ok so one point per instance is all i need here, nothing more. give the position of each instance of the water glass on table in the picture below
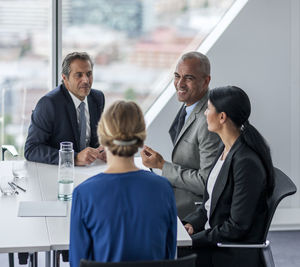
(5, 188)
(66, 171)
(18, 167)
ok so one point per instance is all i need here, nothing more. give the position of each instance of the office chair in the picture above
(283, 187)
(11, 149)
(188, 261)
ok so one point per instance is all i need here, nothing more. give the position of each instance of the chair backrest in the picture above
(11, 149)
(188, 261)
(284, 187)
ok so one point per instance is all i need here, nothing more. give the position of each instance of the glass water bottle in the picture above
(66, 171)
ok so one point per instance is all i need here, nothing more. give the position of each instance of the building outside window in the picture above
(24, 64)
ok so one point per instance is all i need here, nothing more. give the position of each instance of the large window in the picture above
(24, 64)
(134, 44)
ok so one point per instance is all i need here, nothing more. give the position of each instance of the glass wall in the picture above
(134, 44)
(24, 64)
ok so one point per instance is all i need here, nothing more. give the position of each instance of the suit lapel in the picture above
(173, 128)
(223, 176)
(72, 116)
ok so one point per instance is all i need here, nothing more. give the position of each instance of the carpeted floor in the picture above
(285, 248)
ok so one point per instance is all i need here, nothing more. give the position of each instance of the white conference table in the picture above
(31, 234)
(20, 234)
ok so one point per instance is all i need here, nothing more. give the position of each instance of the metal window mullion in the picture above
(56, 42)
(2, 115)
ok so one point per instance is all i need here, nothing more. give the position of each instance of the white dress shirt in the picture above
(77, 102)
(210, 186)
(189, 110)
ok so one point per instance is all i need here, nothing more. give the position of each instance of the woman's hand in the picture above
(189, 228)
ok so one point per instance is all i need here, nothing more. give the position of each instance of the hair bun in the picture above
(122, 128)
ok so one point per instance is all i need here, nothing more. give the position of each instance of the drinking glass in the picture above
(66, 171)
(5, 188)
(19, 167)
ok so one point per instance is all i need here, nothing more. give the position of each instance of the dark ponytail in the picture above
(256, 141)
(236, 104)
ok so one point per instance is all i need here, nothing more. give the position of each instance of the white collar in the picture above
(77, 101)
(189, 110)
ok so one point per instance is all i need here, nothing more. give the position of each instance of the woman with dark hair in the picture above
(234, 207)
(124, 213)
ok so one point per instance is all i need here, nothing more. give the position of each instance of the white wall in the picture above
(258, 50)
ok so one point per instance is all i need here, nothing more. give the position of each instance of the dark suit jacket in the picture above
(54, 120)
(238, 209)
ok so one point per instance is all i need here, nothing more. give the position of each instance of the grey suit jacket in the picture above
(192, 157)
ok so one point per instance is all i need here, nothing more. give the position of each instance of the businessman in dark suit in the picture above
(70, 112)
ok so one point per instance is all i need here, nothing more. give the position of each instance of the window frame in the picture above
(56, 42)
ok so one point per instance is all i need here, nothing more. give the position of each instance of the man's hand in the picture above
(189, 228)
(101, 153)
(86, 156)
(151, 158)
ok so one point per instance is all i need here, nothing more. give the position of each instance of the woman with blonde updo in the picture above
(124, 213)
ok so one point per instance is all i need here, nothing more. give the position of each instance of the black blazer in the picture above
(54, 120)
(238, 209)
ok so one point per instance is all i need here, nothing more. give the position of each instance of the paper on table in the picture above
(42, 208)
(90, 170)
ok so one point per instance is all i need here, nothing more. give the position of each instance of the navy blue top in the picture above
(123, 217)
